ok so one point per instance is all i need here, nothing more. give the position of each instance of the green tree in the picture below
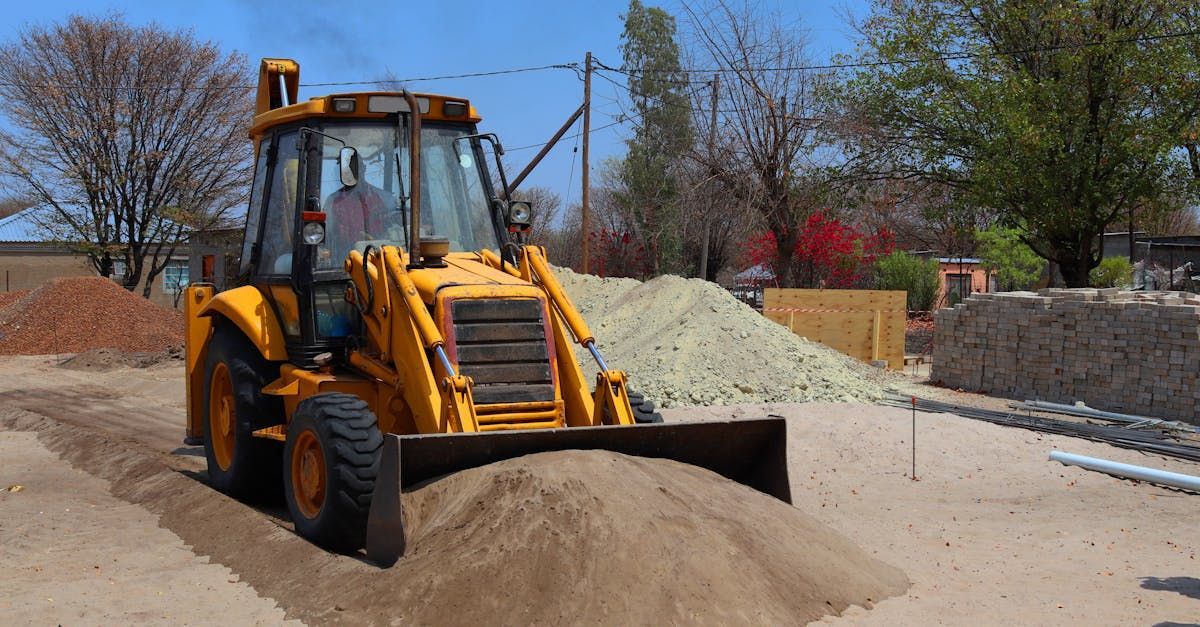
(1004, 253)
(1059, 116)
(918, 277)
(663, 135)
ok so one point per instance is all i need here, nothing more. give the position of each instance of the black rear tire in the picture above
(253, 470)
(347, 433)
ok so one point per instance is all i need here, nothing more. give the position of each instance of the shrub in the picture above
(918, 277)
(1112, 272)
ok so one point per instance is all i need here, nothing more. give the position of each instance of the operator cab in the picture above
(335, 174)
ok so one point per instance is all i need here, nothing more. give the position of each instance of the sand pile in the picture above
(630, 540)
(566, 537)
(690, 342)
(72, 315)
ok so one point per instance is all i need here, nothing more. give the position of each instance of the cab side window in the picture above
(276, 255)
(254, 212)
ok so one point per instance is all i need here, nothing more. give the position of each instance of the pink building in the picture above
(961, 277)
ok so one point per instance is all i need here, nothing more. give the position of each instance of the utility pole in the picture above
(587, 129)
(712, 142)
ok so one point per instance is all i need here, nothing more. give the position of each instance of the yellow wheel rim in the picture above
(308, 474)
(222, 416)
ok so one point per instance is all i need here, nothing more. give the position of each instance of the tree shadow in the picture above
(1187, 586)
(1175, 624)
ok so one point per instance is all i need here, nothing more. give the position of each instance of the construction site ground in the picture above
(991, 532)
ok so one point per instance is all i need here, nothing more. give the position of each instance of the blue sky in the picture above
(354, 40)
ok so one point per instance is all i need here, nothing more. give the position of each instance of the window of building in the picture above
(958, 287)
(175, 277)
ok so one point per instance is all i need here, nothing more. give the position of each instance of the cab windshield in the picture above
(455, 203)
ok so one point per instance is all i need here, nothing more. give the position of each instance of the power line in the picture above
(955, 56)
(622, 119)
(687, 97)
(554, 66)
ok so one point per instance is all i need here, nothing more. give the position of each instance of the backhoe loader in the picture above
(389, 326)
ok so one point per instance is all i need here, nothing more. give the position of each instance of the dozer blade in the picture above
(751, 452)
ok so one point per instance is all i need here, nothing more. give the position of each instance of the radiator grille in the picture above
(501, 345)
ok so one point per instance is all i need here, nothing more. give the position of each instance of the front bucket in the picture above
(750, 452)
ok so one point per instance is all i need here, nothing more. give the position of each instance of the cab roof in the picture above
(366, 105)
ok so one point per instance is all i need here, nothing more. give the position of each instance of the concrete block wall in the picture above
(1132, 352)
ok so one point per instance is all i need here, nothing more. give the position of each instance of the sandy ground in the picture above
(992, 533)
(73, 554)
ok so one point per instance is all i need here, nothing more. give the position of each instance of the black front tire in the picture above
(643, 410)
(253, 470)
(347, 432)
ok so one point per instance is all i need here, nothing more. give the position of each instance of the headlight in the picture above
(519, 213)
(313, 233)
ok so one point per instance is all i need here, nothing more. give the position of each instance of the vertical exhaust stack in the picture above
(414, 178)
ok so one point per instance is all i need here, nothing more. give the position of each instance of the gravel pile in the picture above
(690, 342)
(77, 314)
(8, 298)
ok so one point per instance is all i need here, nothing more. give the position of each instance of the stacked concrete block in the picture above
(1132, 352)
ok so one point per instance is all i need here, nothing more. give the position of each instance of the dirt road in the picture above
(73, 554)
(991, 533)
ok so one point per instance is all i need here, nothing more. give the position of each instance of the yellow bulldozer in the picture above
(388, 326)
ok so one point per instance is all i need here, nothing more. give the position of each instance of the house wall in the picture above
(978, 280)
(27, 267)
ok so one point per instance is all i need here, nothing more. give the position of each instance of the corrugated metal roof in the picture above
(21, 227)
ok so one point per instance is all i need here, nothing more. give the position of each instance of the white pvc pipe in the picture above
(1128, 471)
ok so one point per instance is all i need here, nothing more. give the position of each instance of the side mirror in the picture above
(348, 165)
(520, 215)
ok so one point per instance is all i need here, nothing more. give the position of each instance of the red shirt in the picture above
(355, 214)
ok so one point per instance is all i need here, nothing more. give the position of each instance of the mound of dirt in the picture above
(652, 540)
(690, 342)
(565, 537)
(73, 315)
(102, 359)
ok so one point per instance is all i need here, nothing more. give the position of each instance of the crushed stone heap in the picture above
(76, 314)
(690, 342)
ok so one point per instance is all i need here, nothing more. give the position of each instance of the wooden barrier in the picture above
(864, 324)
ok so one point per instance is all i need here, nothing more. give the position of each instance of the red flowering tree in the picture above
(617, 254)
(828, 253)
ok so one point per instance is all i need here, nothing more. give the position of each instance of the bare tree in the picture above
(564, 242)
(771, 116)
(13, 204)
(921, 215)
(546, 207)
(129, 137)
